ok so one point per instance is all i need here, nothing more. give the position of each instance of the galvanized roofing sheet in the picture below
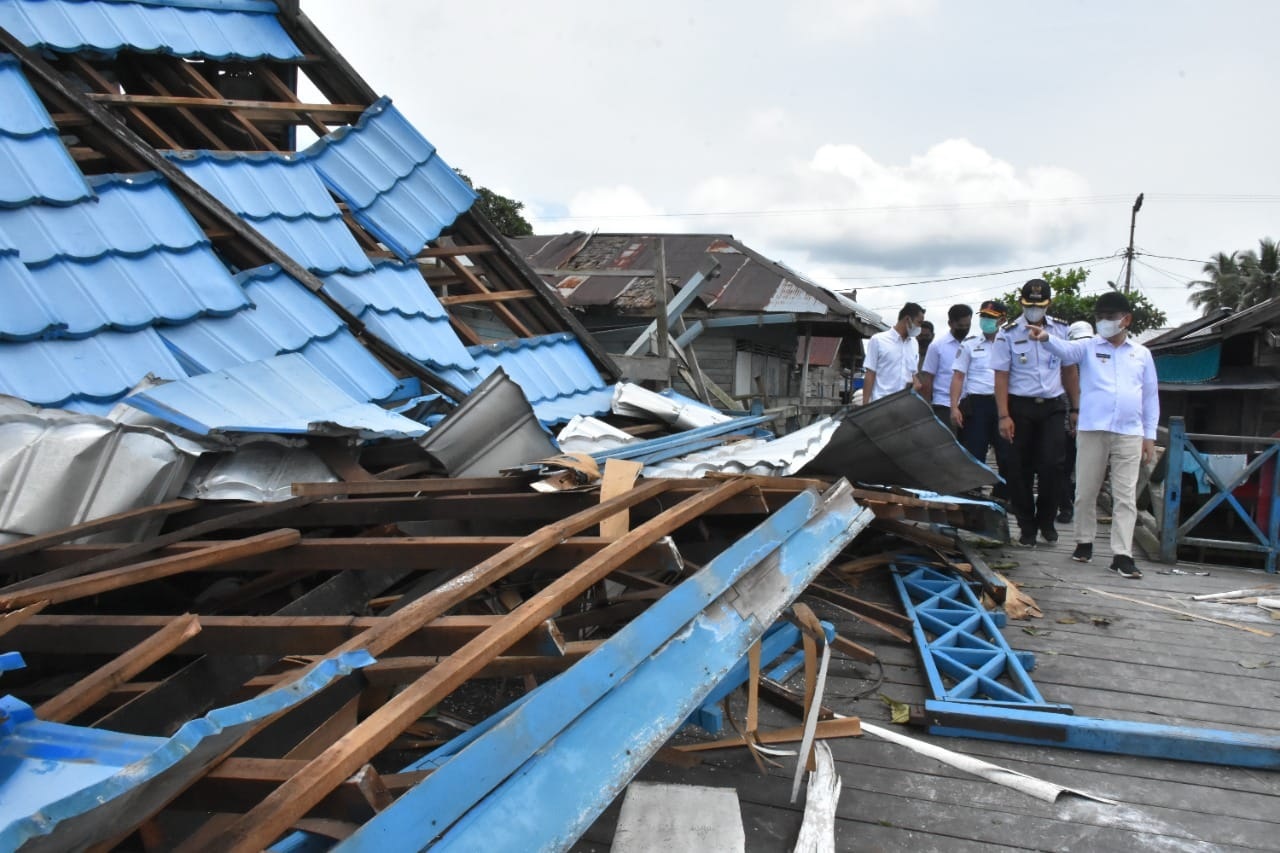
(212, 29)
(132, 215)
(283, 198)
(557, 377)
(284, 317)
(34, 164)
(395, 183)
(84, 374)
(395, 303)
(285, 394)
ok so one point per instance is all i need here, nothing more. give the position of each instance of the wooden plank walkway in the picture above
(1104, 656)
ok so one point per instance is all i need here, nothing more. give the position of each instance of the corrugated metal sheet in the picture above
(676, 409)
(212, 29)
(58, 469)
(285, 394)
(395, 183)
(285, 317)
(779, 457)
(84, 374)
(282, 197)
(27, 314)
(256, 471)
(553, 371)
(132, 215)
(396, 304)
(34, 164)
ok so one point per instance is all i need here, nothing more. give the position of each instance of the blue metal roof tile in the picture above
(27, 313)
(132, 215)
(285, 394)
(34, 164)
(396, 304)
(286, 201)
(285, 318)
(100, 369)
(211, 29)
(127, 293)
(395, 183)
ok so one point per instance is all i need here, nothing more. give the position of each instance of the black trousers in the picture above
(981, 432)
(943, 414)
(1039, 442)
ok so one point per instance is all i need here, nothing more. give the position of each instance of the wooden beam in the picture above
(504, 313)
(429, 486)
(86, 692)
(267, 75)
(338, 113)
(87, 528)
(368, 554)
(190, 117)
(254, 514)
(105, 90)
(262, 635)
(9, 621)
(112, 579)
(890, 622)
(198, 82)
(494, 296)
(454, 251)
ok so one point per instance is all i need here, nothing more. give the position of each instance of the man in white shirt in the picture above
(972, 392)
(892, 356)
(935, 375)
(1119, 412)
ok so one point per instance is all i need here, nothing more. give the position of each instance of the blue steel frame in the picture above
(1173, 533)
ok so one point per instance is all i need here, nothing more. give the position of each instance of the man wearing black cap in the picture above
(973, 397)
(1033, 393)
(1119, 411)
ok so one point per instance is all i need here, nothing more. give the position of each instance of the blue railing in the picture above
(1174, 532)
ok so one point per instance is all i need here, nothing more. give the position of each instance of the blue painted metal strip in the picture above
(681, 440)
(623, 685)
(1152, 740)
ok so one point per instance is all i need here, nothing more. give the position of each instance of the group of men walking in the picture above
(1038, 393)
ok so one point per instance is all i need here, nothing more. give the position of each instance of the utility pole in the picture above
(1133, 222)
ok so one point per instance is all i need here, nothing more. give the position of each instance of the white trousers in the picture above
(1095, 450)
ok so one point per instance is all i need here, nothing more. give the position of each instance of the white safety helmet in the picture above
(1079, 330)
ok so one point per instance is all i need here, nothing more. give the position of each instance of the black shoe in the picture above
(1027, 539)
(1122, 564)
(1083, 552)
(1066, 516)
(1049, 534)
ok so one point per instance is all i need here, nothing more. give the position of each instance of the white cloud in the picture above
(839, 19)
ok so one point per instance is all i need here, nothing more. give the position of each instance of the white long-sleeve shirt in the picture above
(1119, 391)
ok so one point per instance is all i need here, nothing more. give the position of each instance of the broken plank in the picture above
(918, 535)
(1228, 624)
(494, 296)
(86, 692)
(842, 727)
(113, 579)
(992, 582)
(619, 477)
(88, 528)
(9, 621)
(894, 624)
(429, 486)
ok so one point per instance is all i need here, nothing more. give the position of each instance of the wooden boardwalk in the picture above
(1104, 656)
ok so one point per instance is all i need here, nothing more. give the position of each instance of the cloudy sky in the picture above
(871, 144)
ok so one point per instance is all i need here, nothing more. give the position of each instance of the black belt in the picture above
(980, 396)
(1035, 399)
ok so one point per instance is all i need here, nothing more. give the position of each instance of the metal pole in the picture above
(804, 368)
(660, 304)
(1133, 223)
(1172, 491)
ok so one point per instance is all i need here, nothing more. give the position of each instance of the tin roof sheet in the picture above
(285, 394)
(396, 304)
(283, 198)
(211, 29)
(285, 317)
(34, 164)
(84, 374)
(395, 183)
(131, 215)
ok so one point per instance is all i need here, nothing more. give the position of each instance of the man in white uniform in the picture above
(972, 392)
(935, 375)
(892, 356)
(1119, 412)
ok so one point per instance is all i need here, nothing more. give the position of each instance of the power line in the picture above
(1200, 261)
(1037, 267)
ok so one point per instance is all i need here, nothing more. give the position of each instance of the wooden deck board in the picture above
(1143, 664)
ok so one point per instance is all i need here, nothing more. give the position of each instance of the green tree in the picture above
(503, 212)
(1069, 305)
(1224, 285)
(1261, 272)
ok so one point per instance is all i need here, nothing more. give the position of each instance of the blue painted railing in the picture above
(1174, 532)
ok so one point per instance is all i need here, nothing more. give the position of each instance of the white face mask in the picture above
(1109, 328)
(1033, 315)
(913, 331)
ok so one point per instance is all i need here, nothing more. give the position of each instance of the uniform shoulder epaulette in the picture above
(1009, 325)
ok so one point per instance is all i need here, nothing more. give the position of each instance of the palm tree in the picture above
(1223, 286)
(1260, 271)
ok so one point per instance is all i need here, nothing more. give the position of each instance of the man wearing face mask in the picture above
(972, 392)
(1119, 411)
(935, 376)
(925, 340)
(892, 356)
(1033, 392)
